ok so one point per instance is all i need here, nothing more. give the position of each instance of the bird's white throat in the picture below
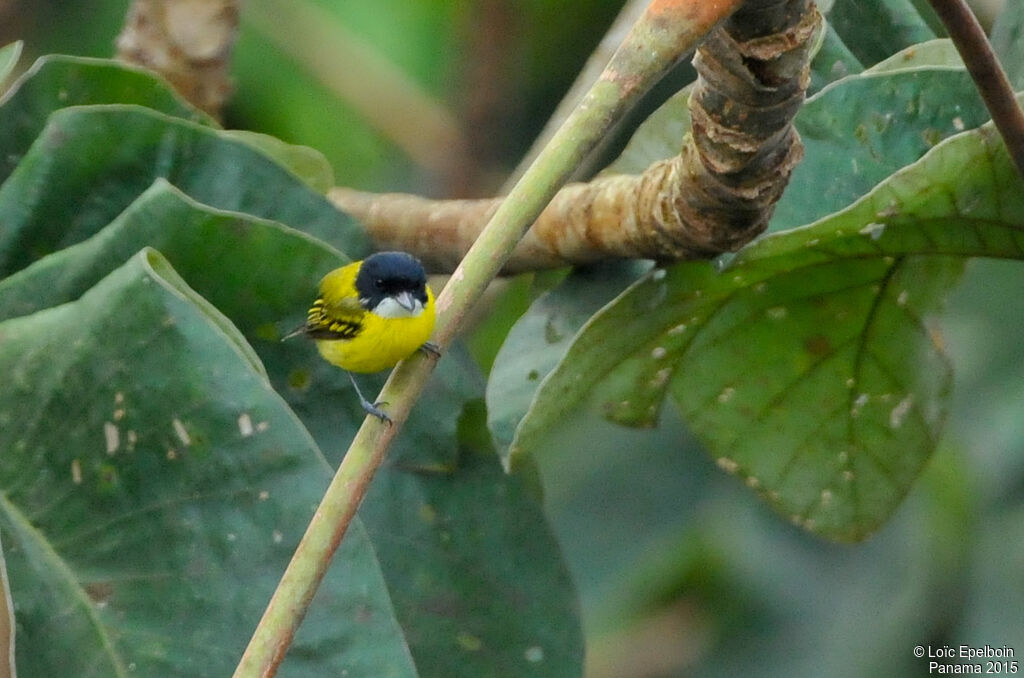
(402, 305)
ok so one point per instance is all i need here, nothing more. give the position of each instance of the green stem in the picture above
(591, 70)
(666, 32)
(993, 85)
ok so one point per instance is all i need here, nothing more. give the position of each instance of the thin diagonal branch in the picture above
(592, 69)
(667, 30)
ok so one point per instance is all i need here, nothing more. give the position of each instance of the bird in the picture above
(371, 314)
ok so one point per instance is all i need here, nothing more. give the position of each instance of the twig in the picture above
(993, 85)
(591, 70)
(667, 29)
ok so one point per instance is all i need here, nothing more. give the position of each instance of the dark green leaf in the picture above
(938, 52)
(222, 254)
(218, 252)
(90, 162)
(862, 129)
(154, 487)
(807, 365)
(458, 539)
(58, 81)
(875, 29)
(306, 163)
(833, 61)
(476, 576)
(540, 338)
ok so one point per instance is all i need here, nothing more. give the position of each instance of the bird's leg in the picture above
(430, 348)
(368, 407)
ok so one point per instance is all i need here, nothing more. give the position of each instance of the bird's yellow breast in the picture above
(380, 342)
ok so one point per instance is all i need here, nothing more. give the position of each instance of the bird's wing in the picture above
(344, 308)
(341, 318)
(336, 313)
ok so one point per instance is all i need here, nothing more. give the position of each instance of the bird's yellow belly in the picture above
(380, 344)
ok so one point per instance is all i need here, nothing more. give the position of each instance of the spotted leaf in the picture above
(808, 365)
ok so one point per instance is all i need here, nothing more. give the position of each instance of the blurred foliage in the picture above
(680, 570)
(498, 67)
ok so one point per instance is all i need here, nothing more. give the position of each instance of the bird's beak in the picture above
(406, 301)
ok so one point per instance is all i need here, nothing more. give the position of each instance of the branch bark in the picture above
(715, 196)
(189, 42)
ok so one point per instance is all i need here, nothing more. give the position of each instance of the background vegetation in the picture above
(679, 569)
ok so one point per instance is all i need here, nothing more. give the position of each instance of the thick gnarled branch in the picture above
(189, 42)
(715, 196)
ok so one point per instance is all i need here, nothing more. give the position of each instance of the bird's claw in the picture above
(374, 410)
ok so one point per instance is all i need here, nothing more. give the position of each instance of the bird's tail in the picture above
(300, 330)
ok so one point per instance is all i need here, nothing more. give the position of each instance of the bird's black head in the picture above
(394, 275)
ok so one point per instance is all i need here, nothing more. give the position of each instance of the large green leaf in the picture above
(938, 52)
(305, 162)
(58, 81)
(924, 102)
(90, 162)
(154, 487)
(833, 61)
(540, 338)
(218, 252)
(478, 581)
(807, 365)
(875, 29)
(221, 253)
(476, 575)
(860, 130)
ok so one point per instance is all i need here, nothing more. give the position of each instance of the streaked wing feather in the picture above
(339, 320)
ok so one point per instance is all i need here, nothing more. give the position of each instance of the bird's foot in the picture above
(375, 410)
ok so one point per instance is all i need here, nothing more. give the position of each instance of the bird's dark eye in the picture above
(379, 282)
